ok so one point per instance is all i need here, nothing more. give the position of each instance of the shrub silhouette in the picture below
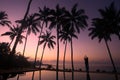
(8, 60)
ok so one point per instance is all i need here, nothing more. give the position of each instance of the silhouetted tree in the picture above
(21, 28)
(65, 36)
(42, 16)
(8, 61)
(56, 22)
(46, 39)
(76, 20)
(4, 19)
(105, 26)
(13, 33)
(31, 27)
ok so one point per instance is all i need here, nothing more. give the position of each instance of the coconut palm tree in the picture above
(4, 19)
(31, 26)
(65, 36)
(46, 40)
(104, 27)
(13, 33)
(42, 16)
(21, 28)
(56, 22)
(76, 20)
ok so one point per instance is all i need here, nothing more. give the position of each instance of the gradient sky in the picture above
(83, 46)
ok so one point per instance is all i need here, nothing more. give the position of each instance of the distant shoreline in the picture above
(23, 70)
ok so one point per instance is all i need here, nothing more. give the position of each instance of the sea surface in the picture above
(51, 75)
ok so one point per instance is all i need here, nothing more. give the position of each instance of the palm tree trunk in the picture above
(20, 31)
(18, 77)
(24, 50)
(42, 54)
(109, 52)
(33, 75)
(10, 42)
(64, 60)
(38, 45)
(25, 43)
(72, 59)
(37, 51)
(57, 64)
(41, 61)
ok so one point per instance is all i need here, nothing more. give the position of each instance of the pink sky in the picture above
(83, 46)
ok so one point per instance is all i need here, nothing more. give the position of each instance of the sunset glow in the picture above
(82, 46)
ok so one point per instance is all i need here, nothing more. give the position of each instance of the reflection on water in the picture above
(50, 75)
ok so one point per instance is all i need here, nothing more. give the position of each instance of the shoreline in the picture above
(23, 70)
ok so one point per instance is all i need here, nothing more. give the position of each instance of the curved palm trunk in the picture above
(109, 52)
(10, 42)
(64, 60)
(37, 51)
(38, 45)
(25, 43)
(20, 31)
(57, 64)
(23, 50)
(41, 61)
(18, 77)
(72, 64)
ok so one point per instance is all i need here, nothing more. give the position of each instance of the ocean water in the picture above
(51, 75)
(92, 67)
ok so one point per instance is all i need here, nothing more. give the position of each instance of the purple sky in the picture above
(83, 46)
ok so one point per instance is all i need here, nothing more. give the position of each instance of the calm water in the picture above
(50, 75)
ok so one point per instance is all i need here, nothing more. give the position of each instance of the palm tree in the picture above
(46, 39)
(56, 22)
(104, 27)
(13, 33)
(76, 20)
(65, 36)
(4, 19)
(42, 16)
(31, 26)
(21, 28)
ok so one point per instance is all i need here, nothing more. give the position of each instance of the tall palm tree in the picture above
(104, 27)
(42, 16)
(65, 36)
(46, 39)
(21, 28)
(56, 22)
(4, 19)
(76, 20)
(31, 26)
(13, 33)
